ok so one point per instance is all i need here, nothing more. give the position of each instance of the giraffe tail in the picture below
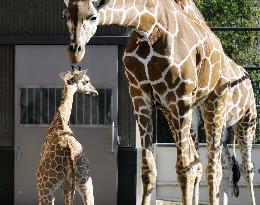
(236, 173)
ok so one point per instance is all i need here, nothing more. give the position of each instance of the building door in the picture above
(94, 119)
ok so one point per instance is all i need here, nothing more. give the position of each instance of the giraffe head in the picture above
(79, 80)
(82, 20)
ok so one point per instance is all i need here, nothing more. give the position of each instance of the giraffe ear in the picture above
(99, 4)
(66, 2)
(62, 75)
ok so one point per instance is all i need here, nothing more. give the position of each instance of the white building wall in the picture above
(39, 66)
(167, 185)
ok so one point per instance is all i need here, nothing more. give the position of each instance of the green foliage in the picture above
(241, 46)
(220, 13)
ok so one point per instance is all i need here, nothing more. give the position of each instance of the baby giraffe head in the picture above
(79, 80)
(82, 19)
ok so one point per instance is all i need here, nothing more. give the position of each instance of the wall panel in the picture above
(126, 118)
(6, 95)
(41, 17)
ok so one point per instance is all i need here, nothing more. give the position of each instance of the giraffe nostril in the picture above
(72, 47)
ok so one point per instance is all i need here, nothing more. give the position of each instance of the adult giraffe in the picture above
(173, 61)
(241, 116)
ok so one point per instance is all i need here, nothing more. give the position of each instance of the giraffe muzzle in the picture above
(73, 47)
(76, 52)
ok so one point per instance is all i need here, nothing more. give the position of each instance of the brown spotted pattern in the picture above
(171, 60)
(241, 115)
(63, 162)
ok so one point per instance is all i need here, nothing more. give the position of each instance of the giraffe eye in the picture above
(92, 18)
(71, 81)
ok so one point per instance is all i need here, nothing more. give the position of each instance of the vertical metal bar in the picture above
(54, 104)
(83, 110)
(48, 121)
(97, 109)
(76, 108)
(1, 87)
(154, 117)
(34, 105)
(105, 107)
(5, 91)
(27, 110)
(41, 121)
(90, 110)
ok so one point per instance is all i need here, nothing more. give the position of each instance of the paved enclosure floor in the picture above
(159, 202)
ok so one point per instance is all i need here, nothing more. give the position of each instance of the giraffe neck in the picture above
(138, 14)
(64, 110)
(66, 103)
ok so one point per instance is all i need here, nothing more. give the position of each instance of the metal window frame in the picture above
(71, 125)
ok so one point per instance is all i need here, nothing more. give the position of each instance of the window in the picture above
(39, 105)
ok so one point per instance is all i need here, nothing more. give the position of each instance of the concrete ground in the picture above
(159, 202)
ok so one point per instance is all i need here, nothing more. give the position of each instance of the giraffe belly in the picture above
(232, 121)
(237, 102)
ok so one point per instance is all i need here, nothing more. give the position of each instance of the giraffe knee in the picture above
(149, 177)
(248, 170)
(214, 172)
(186, 176)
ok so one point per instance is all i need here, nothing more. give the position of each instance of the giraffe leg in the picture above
(196, 118)
(148, 168)
(48, 181)
(149, 174)
(188, 163)
(187, 172)
(68, 192)
(45, 192)
(214, 119)
(86, 192)
(47, 200)
(197, 184)
(214, 168)
(245, 130)
(226, 163)
(143, 114)
(84, 184)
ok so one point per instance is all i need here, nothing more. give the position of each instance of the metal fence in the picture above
(39, 105)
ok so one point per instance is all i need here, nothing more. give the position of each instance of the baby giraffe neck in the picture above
(66, 103)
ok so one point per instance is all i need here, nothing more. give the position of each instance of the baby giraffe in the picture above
(63, 162)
